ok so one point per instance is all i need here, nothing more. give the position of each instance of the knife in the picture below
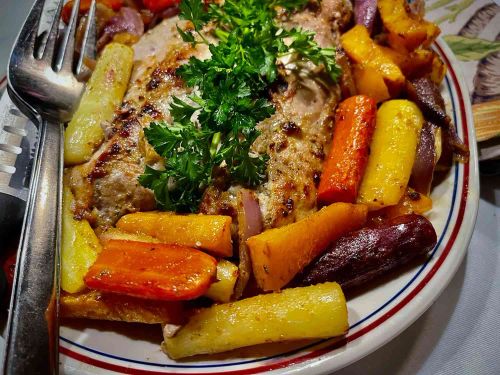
(18, 138)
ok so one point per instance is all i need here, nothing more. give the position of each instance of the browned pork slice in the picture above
(296, 137)
(107, 186)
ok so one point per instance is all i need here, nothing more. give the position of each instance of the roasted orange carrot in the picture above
(152, 270)
(346, 163)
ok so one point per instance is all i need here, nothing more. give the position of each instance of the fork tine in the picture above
(48, 51)
(66, 51)
(88, 45)
(29, 32)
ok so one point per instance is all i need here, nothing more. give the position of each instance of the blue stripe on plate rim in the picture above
(309, 346)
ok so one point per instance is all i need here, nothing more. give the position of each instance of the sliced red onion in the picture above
(425, 160)
(249, 224)
(126, 20)
(426, 94)
(365, 12)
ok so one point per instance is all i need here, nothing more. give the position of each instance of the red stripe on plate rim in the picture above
(349, 338)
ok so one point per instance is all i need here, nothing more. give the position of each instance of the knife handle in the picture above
(33, 329)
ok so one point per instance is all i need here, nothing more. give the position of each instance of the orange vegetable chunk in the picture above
(152, 271)
(278, 254)
(414, 64)
(407, 31)
(370, 82)
(438, 69)
(412, 202)
(363, 50)
(208, 232)
(346, 163)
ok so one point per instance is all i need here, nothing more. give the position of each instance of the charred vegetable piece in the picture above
(108, 306)
(426, 94)
(365, 12)
(278, 254)
(346, 163)
(392, 154)
(125, 27)
(425, 160)
(367, 253)
(208, 232)
(317, 311)
(152, 271)
(363, 50)
(407, 31)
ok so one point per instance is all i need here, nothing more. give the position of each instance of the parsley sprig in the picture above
(217, 127)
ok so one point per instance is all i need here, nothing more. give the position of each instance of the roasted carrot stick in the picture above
(346, 163)
(152, 270)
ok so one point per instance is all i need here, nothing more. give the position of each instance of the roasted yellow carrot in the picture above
(392, 154)
(208, 232)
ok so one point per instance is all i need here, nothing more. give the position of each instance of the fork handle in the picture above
(32, 345)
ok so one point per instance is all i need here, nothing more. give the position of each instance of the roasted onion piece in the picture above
(425, 160)
(365, 12)
(425, 93)
(249, 224)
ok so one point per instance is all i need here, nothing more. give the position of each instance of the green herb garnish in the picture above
(228, 99)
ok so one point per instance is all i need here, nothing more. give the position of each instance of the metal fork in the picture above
(42, 83)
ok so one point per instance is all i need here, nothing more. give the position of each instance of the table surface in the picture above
(460, 333)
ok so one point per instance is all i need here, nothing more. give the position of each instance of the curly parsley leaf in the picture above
(192, 10)
(217, 126)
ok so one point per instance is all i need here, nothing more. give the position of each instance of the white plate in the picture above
(376, 316)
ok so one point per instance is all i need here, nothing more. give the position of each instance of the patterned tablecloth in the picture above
(460, 333)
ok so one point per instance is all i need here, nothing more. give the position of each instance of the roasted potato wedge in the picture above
(317, 311)
(79, 247)
(223, 288)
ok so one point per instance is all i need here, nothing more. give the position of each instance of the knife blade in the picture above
(18, 138)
